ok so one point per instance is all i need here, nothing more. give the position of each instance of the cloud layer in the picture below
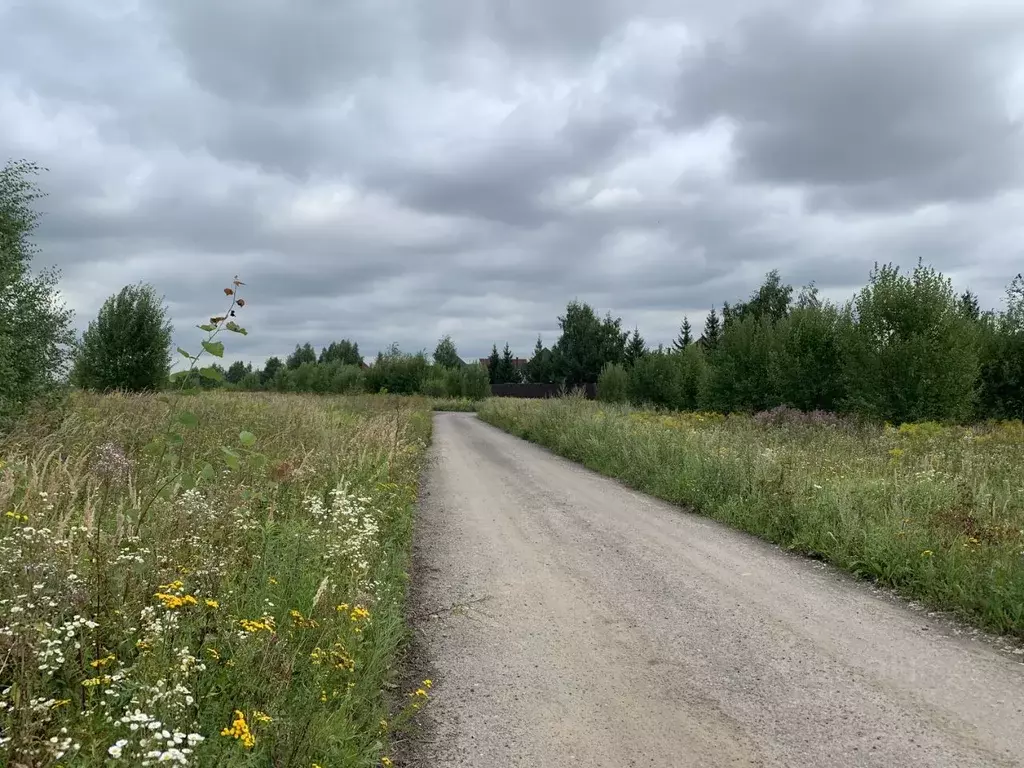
(388, 174)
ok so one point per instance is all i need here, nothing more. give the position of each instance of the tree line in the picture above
(905, 347)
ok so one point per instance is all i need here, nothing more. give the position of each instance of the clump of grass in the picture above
(461, 404)
(936, 512)
(181, 600)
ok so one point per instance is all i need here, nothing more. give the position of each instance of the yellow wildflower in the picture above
(271, 580)
(212, 603)
(94, 681)
(171, 601)
(266, 624)
(359, 613)
(301, 621)
(60, 703)
(386, 762)
(927, 553)
(239, 729)
(213, 653)
(261, 717)
(102, 662)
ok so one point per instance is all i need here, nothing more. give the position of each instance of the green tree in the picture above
(587, 344)
(302, 354)
(657, 380)
(911, 352)
(506, 371)
(712, 331)
(344, 352)
(492, 364)
(613, 384)
(270, 369)
(1001, 388)
(636, 348)
(128, 345)
(744, 375)
(969, 305)
(685, 337)
(810, 345)
(770, 302)
(35, 328)
(541, 368)
(445, 353)
(398, 372)
(237, 371)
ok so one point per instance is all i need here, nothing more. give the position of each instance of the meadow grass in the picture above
(935, 512)
(206, 580)
(461, 404)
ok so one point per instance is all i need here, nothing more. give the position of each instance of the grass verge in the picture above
(209, 580)
(935, 512)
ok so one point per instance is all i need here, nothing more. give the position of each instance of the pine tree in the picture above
(685, 337)
(712, 331)
(492, 364)
(507, 373)
(636, 348)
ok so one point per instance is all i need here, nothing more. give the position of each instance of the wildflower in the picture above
(359, 613)
(213, 653)
(111, 462)
(927, 553)
(266, 624)
(301, 621)
(386, 762)
(261, 717)
(239, 729)
(171, 601)
(271, 580)
(96, 663)
(212, 603)
(115, 749)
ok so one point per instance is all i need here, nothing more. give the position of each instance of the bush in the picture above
(435, 384)
(128, 346)
(346, 379)
(613, 384)
(475, 382)
(35, 329)
(657, 380)
(400, 373)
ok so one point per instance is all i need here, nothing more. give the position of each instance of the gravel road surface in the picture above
(570, 621)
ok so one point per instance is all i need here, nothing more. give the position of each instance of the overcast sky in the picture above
(394, 171)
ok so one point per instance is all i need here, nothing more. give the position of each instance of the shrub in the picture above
(475, 382)
(397, 372)
(435, 384)
(613, 384)
(657, 379)
(128, 345)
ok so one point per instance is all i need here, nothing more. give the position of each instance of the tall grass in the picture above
(936, 512)
(206, 605)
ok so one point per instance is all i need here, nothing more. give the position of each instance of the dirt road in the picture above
(569, 621)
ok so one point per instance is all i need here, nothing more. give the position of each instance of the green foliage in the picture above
(302, 354)
(712, 331)
(685, 337)
(912, 352)
(636, 348)
(446, 355)
(809, 372)
(492, 364)
(128, 346)
(35, 328)
(541, 368)
(237, 371)
(657, 380)
(506, 372)
(613, 384)
(343, 352)
(434, 384)
(1001, 390)
(745, 374)
(587, 344)
(270, 369)
(397, 372)
(475, 383)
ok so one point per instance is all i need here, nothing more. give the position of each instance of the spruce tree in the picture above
(712, 331)
(636, 348)
(685, 337)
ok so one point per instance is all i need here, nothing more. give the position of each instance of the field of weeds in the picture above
(213, 580)
(936, 512)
